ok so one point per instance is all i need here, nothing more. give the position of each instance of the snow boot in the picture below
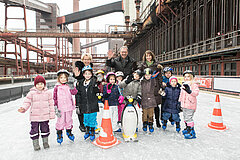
(185, 130)
(190, 134)
(164, 126)
(178, 127)
(87, 133)
(92, 134)
(151, 129)
(145, 126)
(59, 136)
(36, 145)
(45, 142)
(158, 123)
(69, 134)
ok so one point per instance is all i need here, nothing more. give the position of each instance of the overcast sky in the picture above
(66, 7)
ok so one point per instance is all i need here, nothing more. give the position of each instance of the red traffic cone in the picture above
(106, 139)
(216, 118)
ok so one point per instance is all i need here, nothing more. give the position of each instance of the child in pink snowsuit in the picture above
(188, 99)
(42, 110)
(64, 105)
(119, 76)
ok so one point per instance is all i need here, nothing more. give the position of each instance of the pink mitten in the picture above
(109, 87)
(120, 99)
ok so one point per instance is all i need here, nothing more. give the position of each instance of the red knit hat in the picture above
(39, 79)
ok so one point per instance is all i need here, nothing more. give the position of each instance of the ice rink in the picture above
(209, 144)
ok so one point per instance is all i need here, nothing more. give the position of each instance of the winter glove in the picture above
(139, 99)
(129, 79)
(120, 99)
(187, 88)
(57, 112)
(179, 107)
(77, 110)
(109, 87)
(161, 92)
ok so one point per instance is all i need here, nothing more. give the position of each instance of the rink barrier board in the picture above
(7, 95)
(226, 84)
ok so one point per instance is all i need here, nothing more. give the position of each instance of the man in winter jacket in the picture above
(122, 63)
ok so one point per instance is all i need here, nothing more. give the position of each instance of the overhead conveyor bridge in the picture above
(30, 4)
(90, 13)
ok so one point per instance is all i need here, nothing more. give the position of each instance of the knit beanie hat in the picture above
(39, 79)
(171, 78)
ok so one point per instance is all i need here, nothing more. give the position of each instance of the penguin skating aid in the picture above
(129, 121)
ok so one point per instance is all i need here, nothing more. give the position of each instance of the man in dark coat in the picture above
(122, 63)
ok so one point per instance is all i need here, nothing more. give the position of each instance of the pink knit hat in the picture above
(171, 78)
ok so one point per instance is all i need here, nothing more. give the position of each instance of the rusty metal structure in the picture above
(201, 35)
(55, 55)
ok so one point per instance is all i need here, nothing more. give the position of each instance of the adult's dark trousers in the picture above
(157, 113)
(80, 119)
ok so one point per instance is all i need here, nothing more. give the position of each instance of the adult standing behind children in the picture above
(122, 63)
(149, 61)
(86, 60)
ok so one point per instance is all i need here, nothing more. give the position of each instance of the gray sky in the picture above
(66, 7)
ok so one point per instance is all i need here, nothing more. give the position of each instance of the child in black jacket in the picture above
(87, 101)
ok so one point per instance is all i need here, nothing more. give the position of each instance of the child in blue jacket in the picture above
(171, 106)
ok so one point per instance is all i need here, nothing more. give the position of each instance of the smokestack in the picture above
(76, 41)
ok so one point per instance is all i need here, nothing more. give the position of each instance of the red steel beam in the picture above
(65, 35)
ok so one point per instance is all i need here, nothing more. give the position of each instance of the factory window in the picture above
(216, 69)
(204, 69)
(230, 69)
(195, 69)
(180, 70)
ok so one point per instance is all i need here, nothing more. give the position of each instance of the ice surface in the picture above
(209, 144)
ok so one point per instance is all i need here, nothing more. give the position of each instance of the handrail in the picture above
(207, 45)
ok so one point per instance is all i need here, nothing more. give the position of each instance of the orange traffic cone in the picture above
(106, 138)
(216, 118)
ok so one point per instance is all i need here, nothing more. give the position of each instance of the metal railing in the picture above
(209, 46)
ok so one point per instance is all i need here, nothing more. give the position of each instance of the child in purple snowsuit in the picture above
(42, 110)
(64, 105)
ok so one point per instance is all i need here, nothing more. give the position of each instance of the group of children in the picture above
(92, 89)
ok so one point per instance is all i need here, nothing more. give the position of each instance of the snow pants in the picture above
(90, 120)
(120, 109)
(147, 115)
(175, 116)
(188, 116)
(44, 127)
(113, 110)
(65, 121)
